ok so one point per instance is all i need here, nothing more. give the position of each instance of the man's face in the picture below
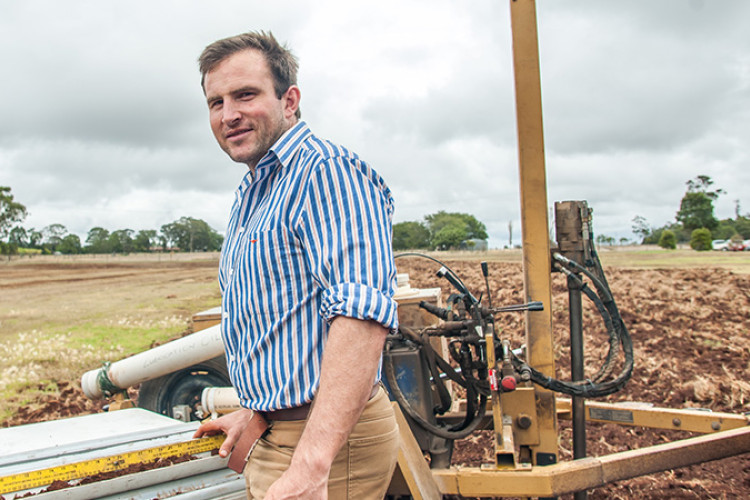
(246, 116)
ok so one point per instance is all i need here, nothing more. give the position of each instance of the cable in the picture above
(618, 333)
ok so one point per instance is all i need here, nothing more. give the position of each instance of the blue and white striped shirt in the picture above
(309, 239)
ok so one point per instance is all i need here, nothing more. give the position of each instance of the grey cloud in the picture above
(469, 105)
(616, 81)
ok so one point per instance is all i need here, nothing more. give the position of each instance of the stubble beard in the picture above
(265, 137)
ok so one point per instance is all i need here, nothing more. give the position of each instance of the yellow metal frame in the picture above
(587, 473)
(534, 221)
(645, 415)
(530, 414)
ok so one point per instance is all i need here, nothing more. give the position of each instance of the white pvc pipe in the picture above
(176, 355)
(154, 363)
(220, 400)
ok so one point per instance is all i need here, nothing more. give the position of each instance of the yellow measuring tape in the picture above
(79, 470)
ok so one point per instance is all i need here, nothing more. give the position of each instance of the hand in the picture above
(295, 484)
(231, 424)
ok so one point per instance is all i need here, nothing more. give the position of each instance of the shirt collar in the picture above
(285, 148)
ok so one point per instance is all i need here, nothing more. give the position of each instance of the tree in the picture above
(70, 244)
(697, 206)
(452, 226)
(144, 240)
(668, 240)
(603, 239)
(53, 236)
(700, 239)
(11, 212)
(742, 226)
(19, 237)
(679, 232)
(192, 235)
(97, 240)
(510, 234)
(448, 237)
(410, 235)
(641, 227)
(35, 238)
(121, 241)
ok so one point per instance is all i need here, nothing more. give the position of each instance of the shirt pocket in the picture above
(270, 264)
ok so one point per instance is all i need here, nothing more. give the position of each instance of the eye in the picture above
(215, 104)
(247, 95)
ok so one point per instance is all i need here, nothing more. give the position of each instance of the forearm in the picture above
(348, 370)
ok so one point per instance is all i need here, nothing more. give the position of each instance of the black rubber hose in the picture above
(614, 338)
(419, 419)
(592, 388)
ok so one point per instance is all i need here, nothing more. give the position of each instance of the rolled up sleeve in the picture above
(346, 227)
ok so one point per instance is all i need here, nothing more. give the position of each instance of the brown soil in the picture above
(691, 331)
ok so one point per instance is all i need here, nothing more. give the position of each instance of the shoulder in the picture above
(329, 159)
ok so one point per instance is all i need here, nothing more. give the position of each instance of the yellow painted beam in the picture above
(591, 472)
(534, 221)
(643, 415)
(411, 463)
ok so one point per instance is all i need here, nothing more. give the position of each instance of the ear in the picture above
(291, 101)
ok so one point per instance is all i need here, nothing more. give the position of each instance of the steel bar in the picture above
(575, 312)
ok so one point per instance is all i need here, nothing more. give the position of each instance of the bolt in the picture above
(523, 421)
(676, 422)
(715, 426)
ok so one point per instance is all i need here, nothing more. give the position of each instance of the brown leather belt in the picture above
(301, 412)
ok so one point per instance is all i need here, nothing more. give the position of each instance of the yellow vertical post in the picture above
(534, 222)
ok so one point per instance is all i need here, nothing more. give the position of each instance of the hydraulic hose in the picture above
(618, 335)
(473, 416)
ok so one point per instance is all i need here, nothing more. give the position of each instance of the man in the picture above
(307, 279)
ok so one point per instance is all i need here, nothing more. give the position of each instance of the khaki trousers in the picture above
(362, 469)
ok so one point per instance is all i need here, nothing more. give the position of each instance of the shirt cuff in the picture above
(358, 301)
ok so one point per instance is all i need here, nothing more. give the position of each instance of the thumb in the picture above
(228, 444)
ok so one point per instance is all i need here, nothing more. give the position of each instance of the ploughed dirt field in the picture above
(690, 329)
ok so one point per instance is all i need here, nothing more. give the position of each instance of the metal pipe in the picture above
(220, 400)
(154, 363)
(576, 368)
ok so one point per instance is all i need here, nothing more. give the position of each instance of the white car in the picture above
(720, 245)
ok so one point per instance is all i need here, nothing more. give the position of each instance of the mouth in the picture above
(233, 134)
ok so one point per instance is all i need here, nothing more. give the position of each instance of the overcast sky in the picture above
(104, 122)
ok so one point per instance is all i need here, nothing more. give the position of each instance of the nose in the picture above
(230, 114)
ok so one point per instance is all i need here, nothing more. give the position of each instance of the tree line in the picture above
(695, 222)
(440, 231)
(185, 234)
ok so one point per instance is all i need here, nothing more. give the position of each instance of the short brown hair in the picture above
(281, 61)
